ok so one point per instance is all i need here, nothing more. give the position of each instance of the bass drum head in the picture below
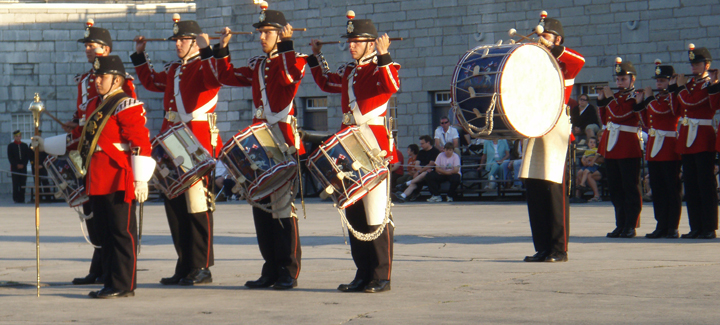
(532, 91)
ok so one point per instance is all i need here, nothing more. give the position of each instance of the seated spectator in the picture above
(511, 169)
(584, 118)
(224, 183)
(410, 168)
(495, 152)
(588, 174)
(447, 169)
(446, 133)
(425, 162)
(396, 170)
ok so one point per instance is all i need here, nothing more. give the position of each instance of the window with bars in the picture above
(24, 123)
(442, 97)
(315, 114)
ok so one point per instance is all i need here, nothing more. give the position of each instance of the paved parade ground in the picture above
(454, 263)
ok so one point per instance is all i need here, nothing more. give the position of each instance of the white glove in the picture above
(141, 191)
(545, 42)
(37, 142)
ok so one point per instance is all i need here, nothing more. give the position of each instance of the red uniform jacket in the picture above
(659, 114)
(375, 79)
(87, 91)
(282, 72)
(619, 110)
(695, 102)
(191, 90)
(110, 170)
(571, 63)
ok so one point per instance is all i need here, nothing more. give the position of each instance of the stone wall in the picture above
(39, 53)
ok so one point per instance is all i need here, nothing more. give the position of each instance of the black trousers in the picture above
(18, 181)
(373, 259)
(279, 243)
(666, 191)
(116, 219)
(192, 235)
(624, 180)
(549, 214)
(98, 265)
(700, 190)
(434, 180)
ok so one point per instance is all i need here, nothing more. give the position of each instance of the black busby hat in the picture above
(189, 28)
(96, 34)
(624, 68)
(663, 71)
(552, 26)
(111, 64)
(359, 27)
(16, 132)
(698, 55)
(272, 18)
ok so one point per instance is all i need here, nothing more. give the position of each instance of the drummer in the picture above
(115, 149)
(545, 181)
(371, 78)
(97, 42)
(189, 217)
(282, 70)
(663, 162)
(697, 102)
(620, 145)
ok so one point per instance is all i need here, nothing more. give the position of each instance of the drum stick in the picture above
(163, 39)
(236, 33)
(694, 75)
(513, 32)
(338, 42)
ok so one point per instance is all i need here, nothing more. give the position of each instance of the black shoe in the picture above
(555, 257)
(377, 286)
(658, 233)
(175, 279)
(397, 197)
(107, 293)
(628, 233)
(285, 282)
(538, 257)
(88, 279)
(413, 197)
(615, 233)
(197, 276)
(356, 285)
(263, 282)
(672, 233)
(707, 235)
(401, 187)
(691, 235)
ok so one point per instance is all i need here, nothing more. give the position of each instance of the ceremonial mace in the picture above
(37, 107)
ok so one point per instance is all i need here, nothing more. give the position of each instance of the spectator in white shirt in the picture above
(446, 133)
(447, 169)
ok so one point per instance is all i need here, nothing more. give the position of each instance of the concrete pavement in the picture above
(455, 263)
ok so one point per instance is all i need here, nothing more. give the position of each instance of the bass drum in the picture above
(508, 91)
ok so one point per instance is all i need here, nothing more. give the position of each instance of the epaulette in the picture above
(127, 103)
(129, 76)
(253, 61)
(169, 64)
(78, 78)
(342, 67)
(300, 55)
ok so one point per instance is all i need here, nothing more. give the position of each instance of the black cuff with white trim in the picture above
(383, 60)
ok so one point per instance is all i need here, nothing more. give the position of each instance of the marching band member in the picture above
(545, 161)
(366, 85)
(191, 92)
(620, 146)
(114, 145)
(97, 42)
(697, 103)
(658, 115)
(274, 78)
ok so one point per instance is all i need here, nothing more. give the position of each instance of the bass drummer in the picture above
(546, 193)
(274, 78)
(366, 85)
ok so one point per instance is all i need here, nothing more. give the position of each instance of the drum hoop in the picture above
(360, 185)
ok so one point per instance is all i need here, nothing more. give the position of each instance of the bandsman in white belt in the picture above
(620, 145)
(274, 78)
(366, 85)
(114, 150)
(97, 42)
(697, 102)
(191, 92)
(658, 115)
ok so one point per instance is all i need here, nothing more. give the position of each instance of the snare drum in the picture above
(508, 91)
(343, 164)
(258, 161)
(181, 160)
(63, 173)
